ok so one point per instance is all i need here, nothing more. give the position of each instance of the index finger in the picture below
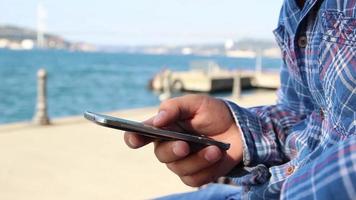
(177, 109)
(134, 140)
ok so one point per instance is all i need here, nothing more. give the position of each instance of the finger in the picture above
(180, 108)
(171, 151)
(196, 162)
(211, 173)
(134, 140)
(196, 180)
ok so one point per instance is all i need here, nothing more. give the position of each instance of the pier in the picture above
(208, 77)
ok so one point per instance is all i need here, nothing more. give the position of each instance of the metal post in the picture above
(236, 90)
(167, 85)
(41, 117)
(258, 68)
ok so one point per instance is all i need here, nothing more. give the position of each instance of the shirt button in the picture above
(322, 116)
(302, 42)
(290, 170)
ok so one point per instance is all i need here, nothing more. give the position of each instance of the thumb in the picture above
(177, 109)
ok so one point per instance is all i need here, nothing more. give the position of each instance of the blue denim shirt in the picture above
(317, 101)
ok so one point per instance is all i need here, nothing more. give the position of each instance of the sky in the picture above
(148, 22)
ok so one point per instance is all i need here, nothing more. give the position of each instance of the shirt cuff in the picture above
(237, 113)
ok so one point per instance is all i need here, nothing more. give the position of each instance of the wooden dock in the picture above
(214, 79)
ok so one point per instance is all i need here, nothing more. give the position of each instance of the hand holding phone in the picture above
(152, 132)
(201, 114)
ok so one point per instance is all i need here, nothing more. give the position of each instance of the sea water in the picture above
(79, 81)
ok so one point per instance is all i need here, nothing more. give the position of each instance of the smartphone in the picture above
(153, 132)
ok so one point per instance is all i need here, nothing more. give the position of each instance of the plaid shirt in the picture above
(315, 110)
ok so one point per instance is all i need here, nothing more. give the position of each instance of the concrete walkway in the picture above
(76, 159)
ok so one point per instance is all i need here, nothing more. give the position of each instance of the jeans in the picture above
(210, 192)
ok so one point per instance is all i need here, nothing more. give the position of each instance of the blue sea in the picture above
(79, 81)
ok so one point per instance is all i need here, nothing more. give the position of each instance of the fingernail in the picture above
(133, 142)
(212, 154)
(180, 149)
(159, 117)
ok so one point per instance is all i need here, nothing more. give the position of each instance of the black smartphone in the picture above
(150, 131)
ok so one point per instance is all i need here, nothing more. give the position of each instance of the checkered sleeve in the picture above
(265, 128)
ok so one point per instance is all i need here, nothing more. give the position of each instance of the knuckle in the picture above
(192, 96)
(166, 103)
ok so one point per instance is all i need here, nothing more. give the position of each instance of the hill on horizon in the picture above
(17, 34)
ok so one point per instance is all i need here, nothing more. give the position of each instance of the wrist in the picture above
(235, 152)
(234, 155)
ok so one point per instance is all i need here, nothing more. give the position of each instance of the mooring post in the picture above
(41, 117)
(236, 89)
(167, 85)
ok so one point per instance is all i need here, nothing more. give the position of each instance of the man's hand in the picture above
(195, 114)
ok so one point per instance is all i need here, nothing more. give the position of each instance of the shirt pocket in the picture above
(337, 69)
(338, 28)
